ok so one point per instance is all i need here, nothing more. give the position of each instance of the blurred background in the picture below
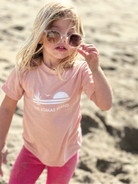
(109, 153)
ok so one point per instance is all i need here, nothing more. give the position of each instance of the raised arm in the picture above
(102, 96)
(7, 109)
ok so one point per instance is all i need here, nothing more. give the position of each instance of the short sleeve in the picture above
(12, 87)
(87, 80)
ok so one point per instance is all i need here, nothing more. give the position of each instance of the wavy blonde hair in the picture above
(30, 55)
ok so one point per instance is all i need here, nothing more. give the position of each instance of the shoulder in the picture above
(19, 75)
(80, 63)
(82, 66)
(24, 73)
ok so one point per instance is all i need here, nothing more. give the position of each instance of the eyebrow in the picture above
(54, 27)
(57, 27)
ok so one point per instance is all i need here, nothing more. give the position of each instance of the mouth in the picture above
(61, 48)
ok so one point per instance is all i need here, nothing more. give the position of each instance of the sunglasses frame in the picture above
(61, 36)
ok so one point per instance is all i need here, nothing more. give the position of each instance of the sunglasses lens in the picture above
(75, 40)
(53, 37)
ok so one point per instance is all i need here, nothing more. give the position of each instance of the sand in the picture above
(109, 150)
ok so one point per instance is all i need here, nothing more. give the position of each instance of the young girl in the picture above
(51, 80)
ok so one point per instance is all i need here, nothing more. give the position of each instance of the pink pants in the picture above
(28, 168)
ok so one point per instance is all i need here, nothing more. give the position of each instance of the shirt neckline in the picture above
(47, 69)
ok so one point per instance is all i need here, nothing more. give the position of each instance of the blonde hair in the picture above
(30, 54)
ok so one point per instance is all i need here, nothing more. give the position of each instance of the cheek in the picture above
(46, 49)
(45, 42)
(47, 46)
(72, 50)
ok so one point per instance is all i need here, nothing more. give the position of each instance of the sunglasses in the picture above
(54, 37)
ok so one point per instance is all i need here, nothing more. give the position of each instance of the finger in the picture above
(4, 160)
(90, 49)
(1, 158)
(83, 53)
(85, 46)
(5, 156)
(1, 173)
(93, 52)
(4, 150)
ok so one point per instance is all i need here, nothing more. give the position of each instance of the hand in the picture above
(3, 156)
(91, 55)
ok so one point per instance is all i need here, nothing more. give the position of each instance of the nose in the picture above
(64, 39)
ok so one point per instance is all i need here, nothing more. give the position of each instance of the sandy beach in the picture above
(109, 153)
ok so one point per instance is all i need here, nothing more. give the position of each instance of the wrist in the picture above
(3, 150)
(95, 70)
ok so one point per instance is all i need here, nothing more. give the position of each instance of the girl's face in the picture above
(54, 53)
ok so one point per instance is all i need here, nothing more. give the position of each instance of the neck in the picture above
(50, 65)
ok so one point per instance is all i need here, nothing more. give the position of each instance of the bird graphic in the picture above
(60, 97)
(47, 95)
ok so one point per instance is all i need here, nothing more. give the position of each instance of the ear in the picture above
(40, 42)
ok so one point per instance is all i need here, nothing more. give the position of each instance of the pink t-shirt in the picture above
(51, 114)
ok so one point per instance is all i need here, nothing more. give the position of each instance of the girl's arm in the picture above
(102, 96)
(7, 109)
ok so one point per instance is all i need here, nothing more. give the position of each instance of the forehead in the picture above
(63, 23)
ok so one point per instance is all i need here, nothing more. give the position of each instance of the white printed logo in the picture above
(60, 97)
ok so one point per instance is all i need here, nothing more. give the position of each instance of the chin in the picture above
(62, 57)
